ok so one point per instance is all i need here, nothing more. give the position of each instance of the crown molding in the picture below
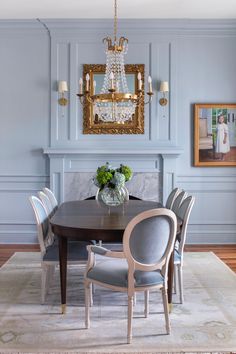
(177, 26)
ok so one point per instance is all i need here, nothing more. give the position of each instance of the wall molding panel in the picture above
(17, 224)
(213, 216)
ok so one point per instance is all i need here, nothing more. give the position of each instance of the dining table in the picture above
(86, 220)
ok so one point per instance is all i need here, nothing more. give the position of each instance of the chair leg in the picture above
(135, 299)
(87, 304)
(51, 270)
(91, 295)
(166, 309)
(175, 279)
(44, 281)
(130, 316)
(180, 276)
(146, 309)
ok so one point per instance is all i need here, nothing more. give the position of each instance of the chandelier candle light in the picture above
(115, 103)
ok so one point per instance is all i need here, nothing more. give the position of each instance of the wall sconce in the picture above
(62, 88)
(164, 87)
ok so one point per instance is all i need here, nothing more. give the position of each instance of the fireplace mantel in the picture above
(176, 151)
(160, 160)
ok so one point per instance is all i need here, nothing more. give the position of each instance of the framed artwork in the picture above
(91, 123)
(215, 134)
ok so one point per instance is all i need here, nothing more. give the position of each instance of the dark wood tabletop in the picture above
(81, 219)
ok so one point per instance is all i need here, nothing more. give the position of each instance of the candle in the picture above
(149, 84)
(94, 87)
(139, 81)
(111, 77)
(81, 86)
(87, 82)
(140, 84)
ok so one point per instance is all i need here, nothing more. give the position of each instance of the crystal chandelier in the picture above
(115, 103)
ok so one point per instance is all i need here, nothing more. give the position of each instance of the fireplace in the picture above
(72, 171)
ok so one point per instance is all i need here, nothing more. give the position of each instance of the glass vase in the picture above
(112, 196)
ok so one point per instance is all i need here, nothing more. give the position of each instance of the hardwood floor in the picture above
(227, 253)
(6, 251)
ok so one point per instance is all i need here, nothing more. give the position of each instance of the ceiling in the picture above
(188, 9)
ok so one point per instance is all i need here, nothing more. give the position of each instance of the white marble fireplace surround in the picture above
(72, 170)
(144, 185)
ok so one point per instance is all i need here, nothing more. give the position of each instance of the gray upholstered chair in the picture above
(178, 200)
(148, 242)
(77, 252)
(52, 198)
(183, 213)
(171, 198)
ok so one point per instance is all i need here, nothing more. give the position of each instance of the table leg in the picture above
(170, 280)
(63, 270)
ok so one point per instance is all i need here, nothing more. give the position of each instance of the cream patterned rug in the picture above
(205, 323)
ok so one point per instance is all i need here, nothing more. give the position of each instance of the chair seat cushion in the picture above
(115, 272)
(177, 257)
(77, 251)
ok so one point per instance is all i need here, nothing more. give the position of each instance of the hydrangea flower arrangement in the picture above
(113, 178)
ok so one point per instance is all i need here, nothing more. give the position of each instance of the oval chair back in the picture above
(42, 222)
(171, 198)
(178, 200)
(52, 198)
(148, 242)
(93, 197)
(183, 213)
(46, 203)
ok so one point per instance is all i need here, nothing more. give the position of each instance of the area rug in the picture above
(205, 323)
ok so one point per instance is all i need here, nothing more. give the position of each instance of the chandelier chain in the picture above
(115, 20)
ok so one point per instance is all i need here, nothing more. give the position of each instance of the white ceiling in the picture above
(29, 9)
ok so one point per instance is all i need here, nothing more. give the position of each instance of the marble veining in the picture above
(145, 185)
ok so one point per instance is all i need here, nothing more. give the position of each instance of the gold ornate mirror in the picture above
(91, 123)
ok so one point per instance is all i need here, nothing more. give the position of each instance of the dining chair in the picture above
(178, 200)
(95, 197)
(132, 197)
(77, 252)
(51, 196)
(183, 213)
(46, 203)
(148, 242)
(171, 198)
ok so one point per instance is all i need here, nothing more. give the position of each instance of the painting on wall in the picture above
(91, 122)
(215, 134)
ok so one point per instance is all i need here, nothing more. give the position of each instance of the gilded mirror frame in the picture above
(136, 126)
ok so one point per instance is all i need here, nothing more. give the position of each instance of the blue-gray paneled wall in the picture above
(24, 126)
(196, 57)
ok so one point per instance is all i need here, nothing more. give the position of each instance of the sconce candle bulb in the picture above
(149, 84)
(87, 82)
(81, 86)
(139, 81)
(94, 87)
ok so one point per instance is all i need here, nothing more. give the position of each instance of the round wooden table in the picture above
(87, 220)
